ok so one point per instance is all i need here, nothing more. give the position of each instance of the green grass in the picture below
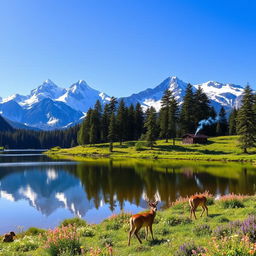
(218, 149)
(172, 228)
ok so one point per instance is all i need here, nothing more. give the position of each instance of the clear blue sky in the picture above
(124, 46)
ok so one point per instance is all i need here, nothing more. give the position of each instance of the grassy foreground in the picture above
(230, 229)
(218, 149)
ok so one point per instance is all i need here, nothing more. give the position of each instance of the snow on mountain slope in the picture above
(12, 110)
(152, 97)
(48, 115)
(47, 90)
(81, 96)
(227, 95)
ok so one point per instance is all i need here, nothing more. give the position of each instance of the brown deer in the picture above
(9, 237)
(144, 219)
(194, 202)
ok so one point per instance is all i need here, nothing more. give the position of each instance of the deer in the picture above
(194, 202)
(144, 219)
(9, 237)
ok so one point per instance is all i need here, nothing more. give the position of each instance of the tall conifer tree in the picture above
(151, 127)
(246, 121)
(187, 115)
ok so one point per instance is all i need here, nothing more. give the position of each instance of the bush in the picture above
(233, 203)
(188, 249)
(174, 221)
(113, 226)
(202, 229)
(74, 222)
(140, 145)
(34, 231)
(106, 240)
(86, 231)
(63, 240)
(25, 244)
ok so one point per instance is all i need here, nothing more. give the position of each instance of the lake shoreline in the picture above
(224, 149)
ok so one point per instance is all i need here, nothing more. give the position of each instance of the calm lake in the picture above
(38, 191)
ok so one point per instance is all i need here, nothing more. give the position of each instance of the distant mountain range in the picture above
(50, 107)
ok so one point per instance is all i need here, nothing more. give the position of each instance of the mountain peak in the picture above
(49, 81)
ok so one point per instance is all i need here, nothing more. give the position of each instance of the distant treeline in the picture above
(39, 139)
(118, 122)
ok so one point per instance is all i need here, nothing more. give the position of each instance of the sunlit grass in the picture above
(219, 148)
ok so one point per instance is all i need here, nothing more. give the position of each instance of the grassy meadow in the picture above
(218, 149)
(230, 229)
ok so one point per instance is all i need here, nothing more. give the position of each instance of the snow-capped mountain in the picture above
(152, 97)
(80, 96)
(227, 95)
(51, 107)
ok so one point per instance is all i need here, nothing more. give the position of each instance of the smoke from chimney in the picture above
(206, 122)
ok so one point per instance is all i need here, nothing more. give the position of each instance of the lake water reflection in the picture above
(38, 191)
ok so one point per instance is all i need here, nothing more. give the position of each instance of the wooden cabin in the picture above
(194, 139)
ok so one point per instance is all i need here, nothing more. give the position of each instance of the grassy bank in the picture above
(230, 229)
(218, 149)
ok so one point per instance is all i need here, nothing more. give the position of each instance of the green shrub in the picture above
(74, 222)
(174, 221)
(113, 226)
(25, 244)
(202, 229)
(233, 203)
(87, 231)
(140, 145)
(106, 240)
(34, 231)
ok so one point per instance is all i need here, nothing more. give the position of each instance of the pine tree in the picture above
(246, 124)
(202, 106)
(232, 123)
(112, 105)
(105, 122)
(121, 120)
(83, 133)
(164, 115)
(222, 124)
(139, 121)
(173, 118)
(187, 115)
(131, 123)
(112, 131)
(151, 127)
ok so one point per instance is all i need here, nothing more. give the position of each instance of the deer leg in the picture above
(136, 234)
(130, 234)
(151, 231)
(194, 212)
(202, 211)
(206, 210)
(191, 212)
(146, 231)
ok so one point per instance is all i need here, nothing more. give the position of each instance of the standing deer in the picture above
(194, 202)
(140, 220)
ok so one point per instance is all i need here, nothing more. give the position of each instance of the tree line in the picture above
(117, 122)
(20, 139)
